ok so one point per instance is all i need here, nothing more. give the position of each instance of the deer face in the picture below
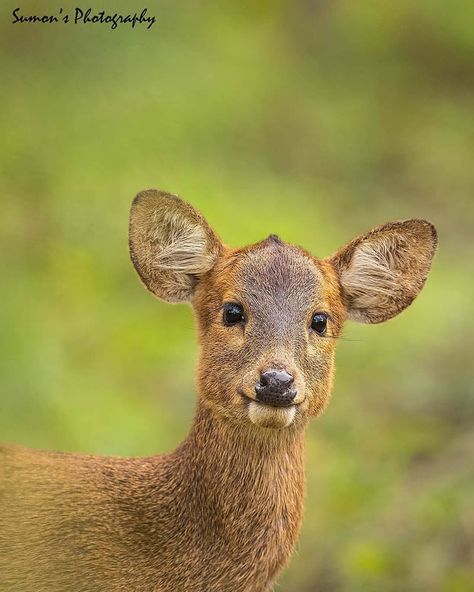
(269, 314)
(268, 317)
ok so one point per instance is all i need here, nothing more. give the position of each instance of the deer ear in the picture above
(171, 244)
(383, 271)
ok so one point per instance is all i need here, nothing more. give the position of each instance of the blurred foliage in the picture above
(312, 119)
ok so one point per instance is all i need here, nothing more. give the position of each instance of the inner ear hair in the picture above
(383, 271)
(171, 244)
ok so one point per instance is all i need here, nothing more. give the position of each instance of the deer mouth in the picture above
(269, 416)
(275, 403)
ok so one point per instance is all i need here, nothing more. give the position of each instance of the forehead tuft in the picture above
(274, 238)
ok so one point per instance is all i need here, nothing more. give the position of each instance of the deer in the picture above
(223, 511)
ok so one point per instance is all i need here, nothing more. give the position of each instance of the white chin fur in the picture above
(266, 416)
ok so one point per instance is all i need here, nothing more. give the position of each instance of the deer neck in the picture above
(242, 477)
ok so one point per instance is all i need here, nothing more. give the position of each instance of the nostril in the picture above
(285, 378)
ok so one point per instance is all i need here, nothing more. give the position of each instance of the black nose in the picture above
(275, 388)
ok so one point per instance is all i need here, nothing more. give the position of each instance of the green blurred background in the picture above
(314, 120)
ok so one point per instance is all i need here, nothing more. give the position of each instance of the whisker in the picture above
(338, 337)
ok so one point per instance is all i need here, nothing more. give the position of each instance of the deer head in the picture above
(269, 314)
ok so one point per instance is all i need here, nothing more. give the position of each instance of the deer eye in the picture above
(319, 323)
(233, 313)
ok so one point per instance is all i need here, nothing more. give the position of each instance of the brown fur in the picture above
(223, 511)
